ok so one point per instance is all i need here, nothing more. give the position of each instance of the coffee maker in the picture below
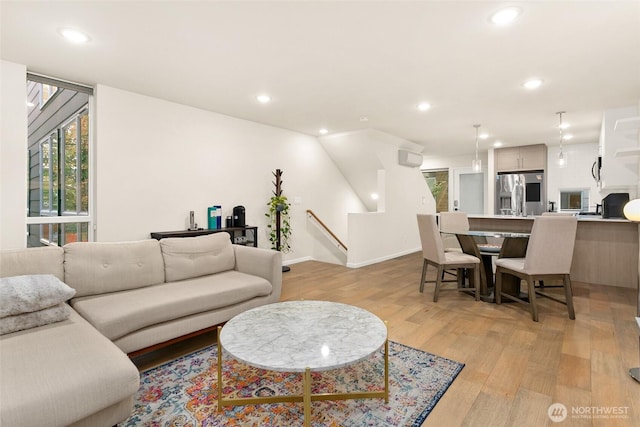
(239, 216)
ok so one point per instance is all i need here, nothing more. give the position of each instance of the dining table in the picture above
(514, 245)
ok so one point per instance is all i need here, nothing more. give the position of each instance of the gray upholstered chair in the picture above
(434, 254)
(549, 255)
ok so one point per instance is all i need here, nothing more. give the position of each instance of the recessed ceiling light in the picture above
(532, 84)
(483, 136)
(74, 36)
(323, 131)
(506, 16)
(567, 137)
(375, 196)
(263, 99)
(498, 144)
(424, 106)
(565, 125)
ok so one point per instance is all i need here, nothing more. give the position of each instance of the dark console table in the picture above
(247, 236)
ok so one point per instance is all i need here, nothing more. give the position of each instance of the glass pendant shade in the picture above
(562, 159)
(476, 164)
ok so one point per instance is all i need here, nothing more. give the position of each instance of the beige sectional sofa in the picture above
(128, 296)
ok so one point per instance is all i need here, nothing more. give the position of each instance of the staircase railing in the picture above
(323, 227)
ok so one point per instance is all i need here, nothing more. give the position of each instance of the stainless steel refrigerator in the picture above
(521, 194)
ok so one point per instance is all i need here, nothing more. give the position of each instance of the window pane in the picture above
(84, 162)
(57, 234)
(46, 92)
(55, 174)
(70, 167)
(46, 173)
(58, 153)
(438, 182)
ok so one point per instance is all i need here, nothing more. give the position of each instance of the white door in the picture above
(469, 191)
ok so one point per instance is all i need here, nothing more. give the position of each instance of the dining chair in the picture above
(541, 284)
(549, 256)
(455, 222)
(451, 223)
(433, 253)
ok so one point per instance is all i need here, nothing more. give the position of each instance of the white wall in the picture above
(576, 175)
(13, 155)
(378, 236)
(157, 160)
(391, 229)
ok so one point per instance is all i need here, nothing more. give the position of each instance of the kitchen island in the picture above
(605, 253)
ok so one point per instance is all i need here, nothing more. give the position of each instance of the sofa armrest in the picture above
(265, 263)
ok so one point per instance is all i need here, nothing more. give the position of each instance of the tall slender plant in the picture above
(279, 224)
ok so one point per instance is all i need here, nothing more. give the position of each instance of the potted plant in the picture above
(279, 221)
(279, 229)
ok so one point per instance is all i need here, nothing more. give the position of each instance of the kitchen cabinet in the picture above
(619, 148)
(526, 157)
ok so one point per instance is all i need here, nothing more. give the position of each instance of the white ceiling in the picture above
(328, 63)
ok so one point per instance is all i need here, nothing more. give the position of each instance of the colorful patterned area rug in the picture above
(183, 392)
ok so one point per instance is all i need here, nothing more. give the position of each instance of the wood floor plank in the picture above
(514, 367)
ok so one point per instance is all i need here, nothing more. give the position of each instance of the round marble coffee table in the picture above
(303, 336)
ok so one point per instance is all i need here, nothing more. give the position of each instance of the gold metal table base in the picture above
(307, 397)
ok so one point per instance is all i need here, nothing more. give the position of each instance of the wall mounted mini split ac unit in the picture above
(409, 158)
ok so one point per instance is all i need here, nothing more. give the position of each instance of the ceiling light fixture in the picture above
(483, 135)
(476, 164)
(323, 131)
(424, 106)
(562, 157)
(263, 99)
(505, 16)
(74, 36)
(532, 84)
(498, 144)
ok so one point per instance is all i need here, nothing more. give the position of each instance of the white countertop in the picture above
(591, 218)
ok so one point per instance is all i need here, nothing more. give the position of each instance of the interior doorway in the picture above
(469, 191)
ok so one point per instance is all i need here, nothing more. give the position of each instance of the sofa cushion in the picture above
(57, 374)
(45, 260)
(118, 314)
(189, 257)
(100, 267)
(22, 321)
(23, 294)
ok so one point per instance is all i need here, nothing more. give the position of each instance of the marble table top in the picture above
(294, 335)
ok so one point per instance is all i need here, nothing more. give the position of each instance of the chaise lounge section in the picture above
(129, 296)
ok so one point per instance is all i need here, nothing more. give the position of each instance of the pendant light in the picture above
(562, 157)
(476, 164)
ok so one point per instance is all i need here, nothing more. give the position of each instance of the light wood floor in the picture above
(515, 368)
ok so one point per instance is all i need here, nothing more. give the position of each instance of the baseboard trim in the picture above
(297, 260)
(381, 259)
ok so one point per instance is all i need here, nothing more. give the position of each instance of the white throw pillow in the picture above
(26, 294)
(23, 321)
